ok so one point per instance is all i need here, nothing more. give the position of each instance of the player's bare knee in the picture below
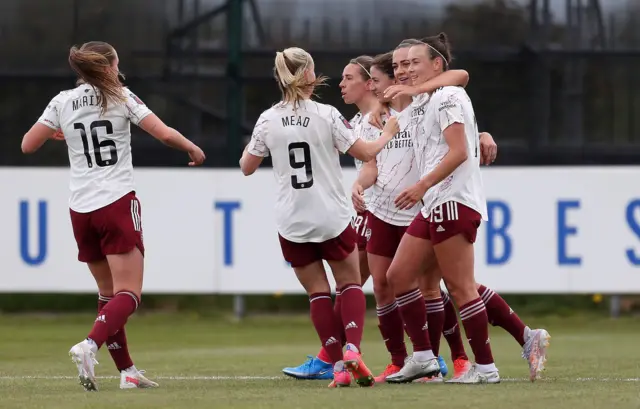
(133, 290)
(319, 288)
(318, 285)
(462, 293)
(106, 290)
(105, 285)
(399, 282)
(392, 276)
(430, 294)
(347, 274)
(382, 291)
(346, 279)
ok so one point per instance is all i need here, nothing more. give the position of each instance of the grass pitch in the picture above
(216, 363)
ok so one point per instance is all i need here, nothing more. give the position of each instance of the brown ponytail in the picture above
(364, 62)
(93, 62)
(384, 62)
(439, 46)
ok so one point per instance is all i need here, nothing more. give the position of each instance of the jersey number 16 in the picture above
(97, 144)
(305, 164)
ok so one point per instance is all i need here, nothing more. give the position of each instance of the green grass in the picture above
(190, 346)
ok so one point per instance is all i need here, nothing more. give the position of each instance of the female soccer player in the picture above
(95, 119)
(391, 172)
(312, 212)
(355, 89)
(451, 191)
(440, 310)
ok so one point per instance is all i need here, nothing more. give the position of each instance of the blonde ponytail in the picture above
(290, 72)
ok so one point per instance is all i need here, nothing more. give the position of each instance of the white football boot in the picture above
(83, 355)
(473, 376)
(414, 369)
(132, 378)
(535, 351)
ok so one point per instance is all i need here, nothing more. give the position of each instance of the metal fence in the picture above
(554, 85)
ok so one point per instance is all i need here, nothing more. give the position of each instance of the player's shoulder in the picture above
(271, 113)
(130, 95)
(420, 100)
(266, 117)
(357, 119)
(331, 114)
(366, 125)
(323, 110)
(446, 93)
(67, 94)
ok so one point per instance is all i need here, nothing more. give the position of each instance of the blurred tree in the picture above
(624, 27)
(492, 22)
(37, 34)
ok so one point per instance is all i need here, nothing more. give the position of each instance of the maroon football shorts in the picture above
(360, 225)
(113, 229)
(335, 249)
(445, 221)
(385, 237)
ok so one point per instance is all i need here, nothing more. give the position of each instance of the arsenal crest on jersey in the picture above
(135, 98)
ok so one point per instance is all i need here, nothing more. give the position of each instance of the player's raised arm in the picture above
(155, 127)
(447, 78)
(95, 119)
(346, 141)
(367, 151)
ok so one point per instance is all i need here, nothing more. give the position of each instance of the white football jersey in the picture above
(367, 132)
(311, 202)
(99, 145)
(397, 170)
(431, 116)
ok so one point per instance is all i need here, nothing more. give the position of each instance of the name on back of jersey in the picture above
(296, 120)
(86, 101)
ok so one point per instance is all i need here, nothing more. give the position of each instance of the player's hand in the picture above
(396, 91)
(376, 114)
(488, 149)
(357, 197)
(58, 135)
(411, 195)
(392, 127)
(196, 155)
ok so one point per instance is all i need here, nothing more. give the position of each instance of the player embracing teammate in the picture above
(387, 230)
(447, 149)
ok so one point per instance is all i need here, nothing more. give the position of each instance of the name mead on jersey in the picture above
(86, 101)
(294, 120)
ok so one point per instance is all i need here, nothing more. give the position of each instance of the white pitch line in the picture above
(272, 378)
(171, 378)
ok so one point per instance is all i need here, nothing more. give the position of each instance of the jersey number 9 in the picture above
(300, 164)
(97, 144)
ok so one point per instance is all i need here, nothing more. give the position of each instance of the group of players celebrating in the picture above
(419, 200)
